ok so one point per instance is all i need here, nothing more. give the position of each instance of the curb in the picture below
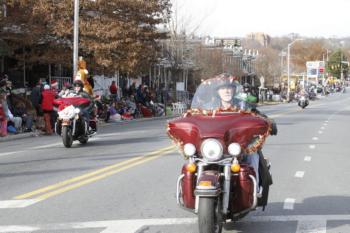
(29, 135)
(17, 136)
(269, 104)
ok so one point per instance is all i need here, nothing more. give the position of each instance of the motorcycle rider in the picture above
(304, 94)
(229, 97)
(247, 90)
(88, 110)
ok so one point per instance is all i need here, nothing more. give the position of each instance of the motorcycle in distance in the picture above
(303, 100)
(71, 124)
(218, 183)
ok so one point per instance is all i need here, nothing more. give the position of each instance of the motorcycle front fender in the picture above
(66, 122)
(208, 184)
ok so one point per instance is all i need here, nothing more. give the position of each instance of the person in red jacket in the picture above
(3, 120)
(114, 91)
(48, 96)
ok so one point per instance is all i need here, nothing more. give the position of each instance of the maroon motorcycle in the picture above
(217, 135)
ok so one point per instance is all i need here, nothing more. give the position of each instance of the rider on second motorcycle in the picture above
(86, 111)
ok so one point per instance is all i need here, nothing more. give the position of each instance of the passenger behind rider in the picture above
(66, 89)
(87, 110)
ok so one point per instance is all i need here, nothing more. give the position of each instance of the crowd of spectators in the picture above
(132, 102)
(20, 113)
(16, 112)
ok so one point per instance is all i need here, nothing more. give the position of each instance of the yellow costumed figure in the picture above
(83, 76)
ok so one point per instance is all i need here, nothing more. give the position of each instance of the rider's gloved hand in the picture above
(274, 129)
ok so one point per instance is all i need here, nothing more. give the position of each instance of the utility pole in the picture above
(341, 67)
(76, 37)
(324, 69)
(288, 61)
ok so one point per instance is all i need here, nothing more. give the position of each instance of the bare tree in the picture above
(268, 65)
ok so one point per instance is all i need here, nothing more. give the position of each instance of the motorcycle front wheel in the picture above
(67, 136)
(208, 215)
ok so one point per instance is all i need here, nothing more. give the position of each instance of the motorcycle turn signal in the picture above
(191, 167)
(235, 167)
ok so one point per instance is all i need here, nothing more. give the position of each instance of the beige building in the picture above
(262, 38)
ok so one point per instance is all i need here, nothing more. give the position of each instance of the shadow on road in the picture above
(319, 205)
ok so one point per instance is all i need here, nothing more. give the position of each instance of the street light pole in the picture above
(76, 37)
(288, 68)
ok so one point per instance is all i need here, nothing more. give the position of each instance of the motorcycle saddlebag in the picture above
(242, 198)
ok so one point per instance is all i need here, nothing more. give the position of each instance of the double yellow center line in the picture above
(76, 182)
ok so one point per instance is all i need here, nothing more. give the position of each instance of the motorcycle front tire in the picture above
(67, 136)
(207, 216)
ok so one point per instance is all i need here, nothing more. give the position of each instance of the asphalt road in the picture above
(123, 180)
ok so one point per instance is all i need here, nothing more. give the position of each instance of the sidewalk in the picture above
(11, 137)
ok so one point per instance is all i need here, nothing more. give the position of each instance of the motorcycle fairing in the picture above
(235, 127)
(75, 101)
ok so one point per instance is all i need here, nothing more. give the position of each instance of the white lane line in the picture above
(46, 146)
(14, 228)
(59, 144)
(320, 132)
(9, 204)
(123, 133)
(98, 137)
(315, 138)
(326, 121)
(307, 158)
(10, 153)
(299, 174)
(117, 226)
(318, 226)
(322, 127)
(289, 204)
(287, 218)
(306, 223)
(325, 124)
(312, 146)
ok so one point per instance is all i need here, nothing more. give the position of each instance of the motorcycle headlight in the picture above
(211, 149)
(67, 113)
(189, 149)
(234, 149)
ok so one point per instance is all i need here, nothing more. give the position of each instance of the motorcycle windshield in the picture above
(75, 101)
(223, 94)
(220, 110)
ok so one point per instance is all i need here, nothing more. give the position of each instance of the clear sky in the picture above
(312, 18)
